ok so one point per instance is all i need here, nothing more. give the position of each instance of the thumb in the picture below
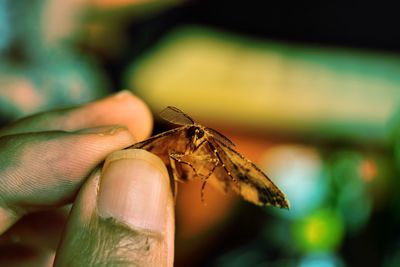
(123, 215)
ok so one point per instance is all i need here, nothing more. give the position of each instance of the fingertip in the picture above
(141, 111)
(121, 108)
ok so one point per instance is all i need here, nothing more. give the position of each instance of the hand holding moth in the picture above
(47, 161)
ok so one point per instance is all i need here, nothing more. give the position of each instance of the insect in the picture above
(194, 151)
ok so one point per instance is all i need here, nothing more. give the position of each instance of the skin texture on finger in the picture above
(98, 236)
(40, 229)
(122, 108)
(44, 170)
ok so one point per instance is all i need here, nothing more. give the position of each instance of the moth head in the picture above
(196, 134)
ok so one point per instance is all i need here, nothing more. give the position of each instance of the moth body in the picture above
(193, 151)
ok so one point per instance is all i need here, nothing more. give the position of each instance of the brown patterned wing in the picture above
(244, 177)
(222, 138)
(164, 143)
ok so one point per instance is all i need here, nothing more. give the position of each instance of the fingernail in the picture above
(103, 130)
(134, 190)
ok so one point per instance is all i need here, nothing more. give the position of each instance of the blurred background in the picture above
(311, 93)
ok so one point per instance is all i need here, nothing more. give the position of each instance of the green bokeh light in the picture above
(352, 198)
(321, 231)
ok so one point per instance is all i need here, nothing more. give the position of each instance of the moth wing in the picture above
(164, 143)
(175, 116)
(220, 137)
(251, 183)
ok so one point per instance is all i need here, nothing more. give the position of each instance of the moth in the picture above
(193, 151)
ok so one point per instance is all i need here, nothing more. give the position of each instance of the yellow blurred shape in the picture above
(264, 85)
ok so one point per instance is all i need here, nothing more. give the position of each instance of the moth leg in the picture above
(173, 172)
(177, 157)
(203, 186)
(203, 177)
(197, 158)
(175, 190)
(176, 170)
(215, 160)
(223, 165)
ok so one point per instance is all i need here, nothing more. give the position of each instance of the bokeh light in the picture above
(321, 260)
(297, 169)
(320, 231)
(353, 199)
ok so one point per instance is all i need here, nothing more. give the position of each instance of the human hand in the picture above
(122, 214)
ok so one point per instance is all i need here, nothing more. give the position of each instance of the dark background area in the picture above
(357, 25)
